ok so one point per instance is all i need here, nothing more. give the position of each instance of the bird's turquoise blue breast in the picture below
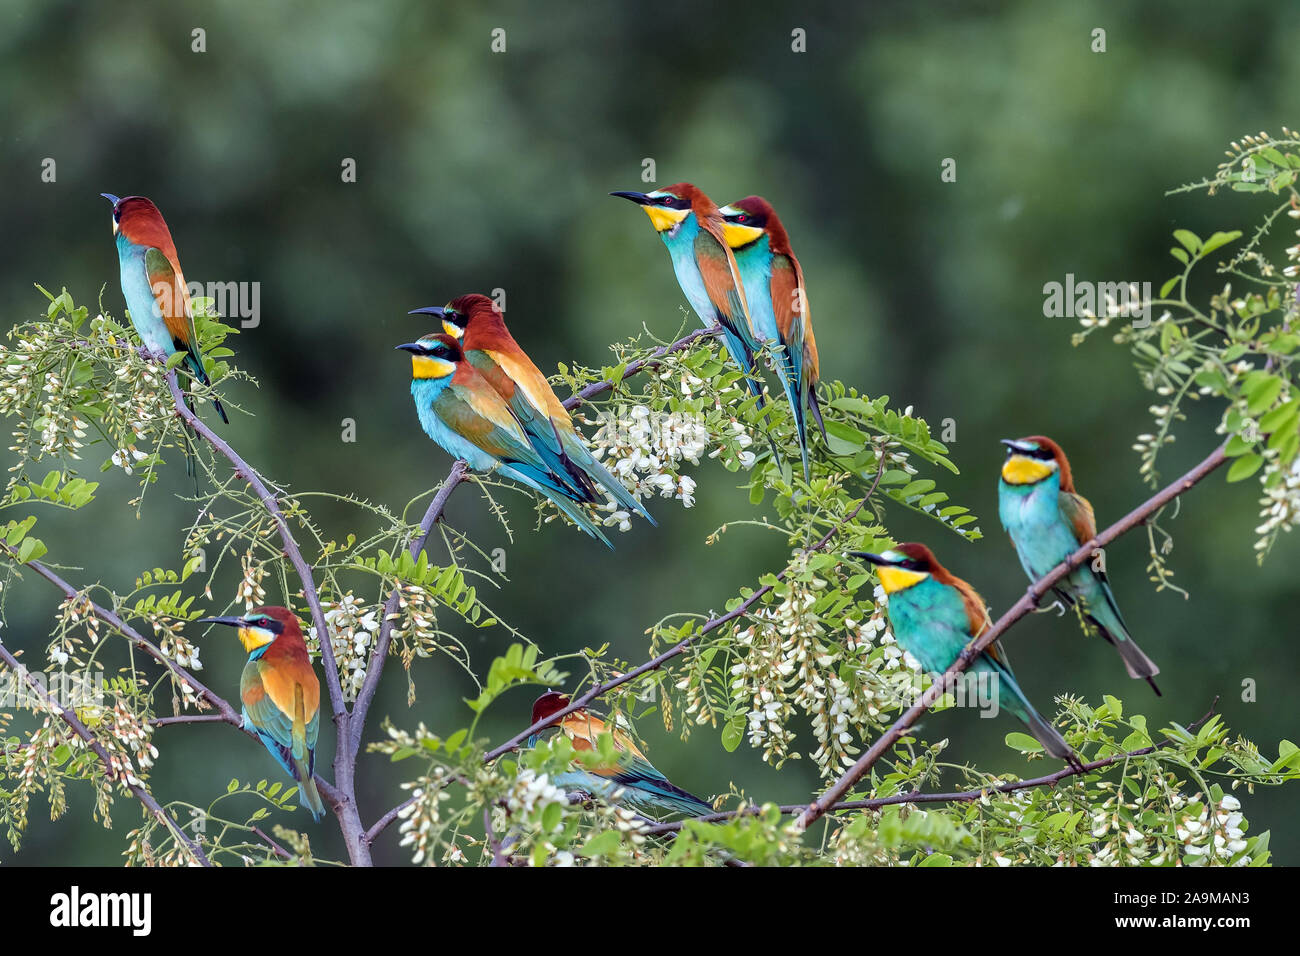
(755, 265)
(1031, 514)
(929, 621)
(426, 392)
(146, 317)
(681, 247)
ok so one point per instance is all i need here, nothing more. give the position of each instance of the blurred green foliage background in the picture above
(479, 170)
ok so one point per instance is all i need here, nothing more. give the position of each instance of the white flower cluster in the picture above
(123, 457)
(646, 451)
(1214, 839)
(421, 818)
(531, 792)
(353, 628)
(1204, 839)
(1280, 506)
(127, 743)
(250, 590)
(1293, 253)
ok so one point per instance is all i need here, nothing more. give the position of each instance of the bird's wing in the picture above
(544, 419)
(529, 380)
(794, 320)
(481, 416)
(1077, 513)
(722, 283)
(273, 723)
(173, 298)
(977, 617)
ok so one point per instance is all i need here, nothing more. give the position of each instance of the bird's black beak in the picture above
(437, 310)
(228, 621)
(640, 199)
(868, 556)
(111, 198)
(409, 347)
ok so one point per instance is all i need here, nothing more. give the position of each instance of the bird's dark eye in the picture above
(742, 218)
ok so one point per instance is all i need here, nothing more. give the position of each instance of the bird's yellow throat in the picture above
(664, 219)
(254, 637)
(738, 235)
(426, 366)
(898, 579)
(1020, 470)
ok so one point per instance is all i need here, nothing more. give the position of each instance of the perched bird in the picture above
(1048, 521)
(154, 286)
(934, 614)
(643, 786)
(281, 694)
(691, 227)
(493, 351)
(464, 414)
(778, 304)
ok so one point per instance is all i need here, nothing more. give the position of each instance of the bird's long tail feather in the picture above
(1104, 615)
(308, 795)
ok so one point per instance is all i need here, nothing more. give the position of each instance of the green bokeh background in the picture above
(479, 170)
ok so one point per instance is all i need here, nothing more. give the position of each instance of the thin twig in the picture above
(275, 847)
(1025, 605)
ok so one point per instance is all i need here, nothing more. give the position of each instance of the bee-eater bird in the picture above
(690, 225)
(154, 286)
(934, 614)
(490, 348)
(643, 786)
(281, 694)
(464, 414)
(778, 304)
(1048, 521)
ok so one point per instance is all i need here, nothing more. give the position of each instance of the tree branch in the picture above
(1027, 603)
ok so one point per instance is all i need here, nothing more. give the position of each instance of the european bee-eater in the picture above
(154, 286)
(1048, 521)
(934, 614)
(643, 786)
(490, 348)
(690, 225)
(778, 303)
(464, 414)
(281, 694)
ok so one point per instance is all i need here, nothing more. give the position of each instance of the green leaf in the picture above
(1023, 742)
(1188, 239)
(733, 733)
(1220, 239)
(1244, 467)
